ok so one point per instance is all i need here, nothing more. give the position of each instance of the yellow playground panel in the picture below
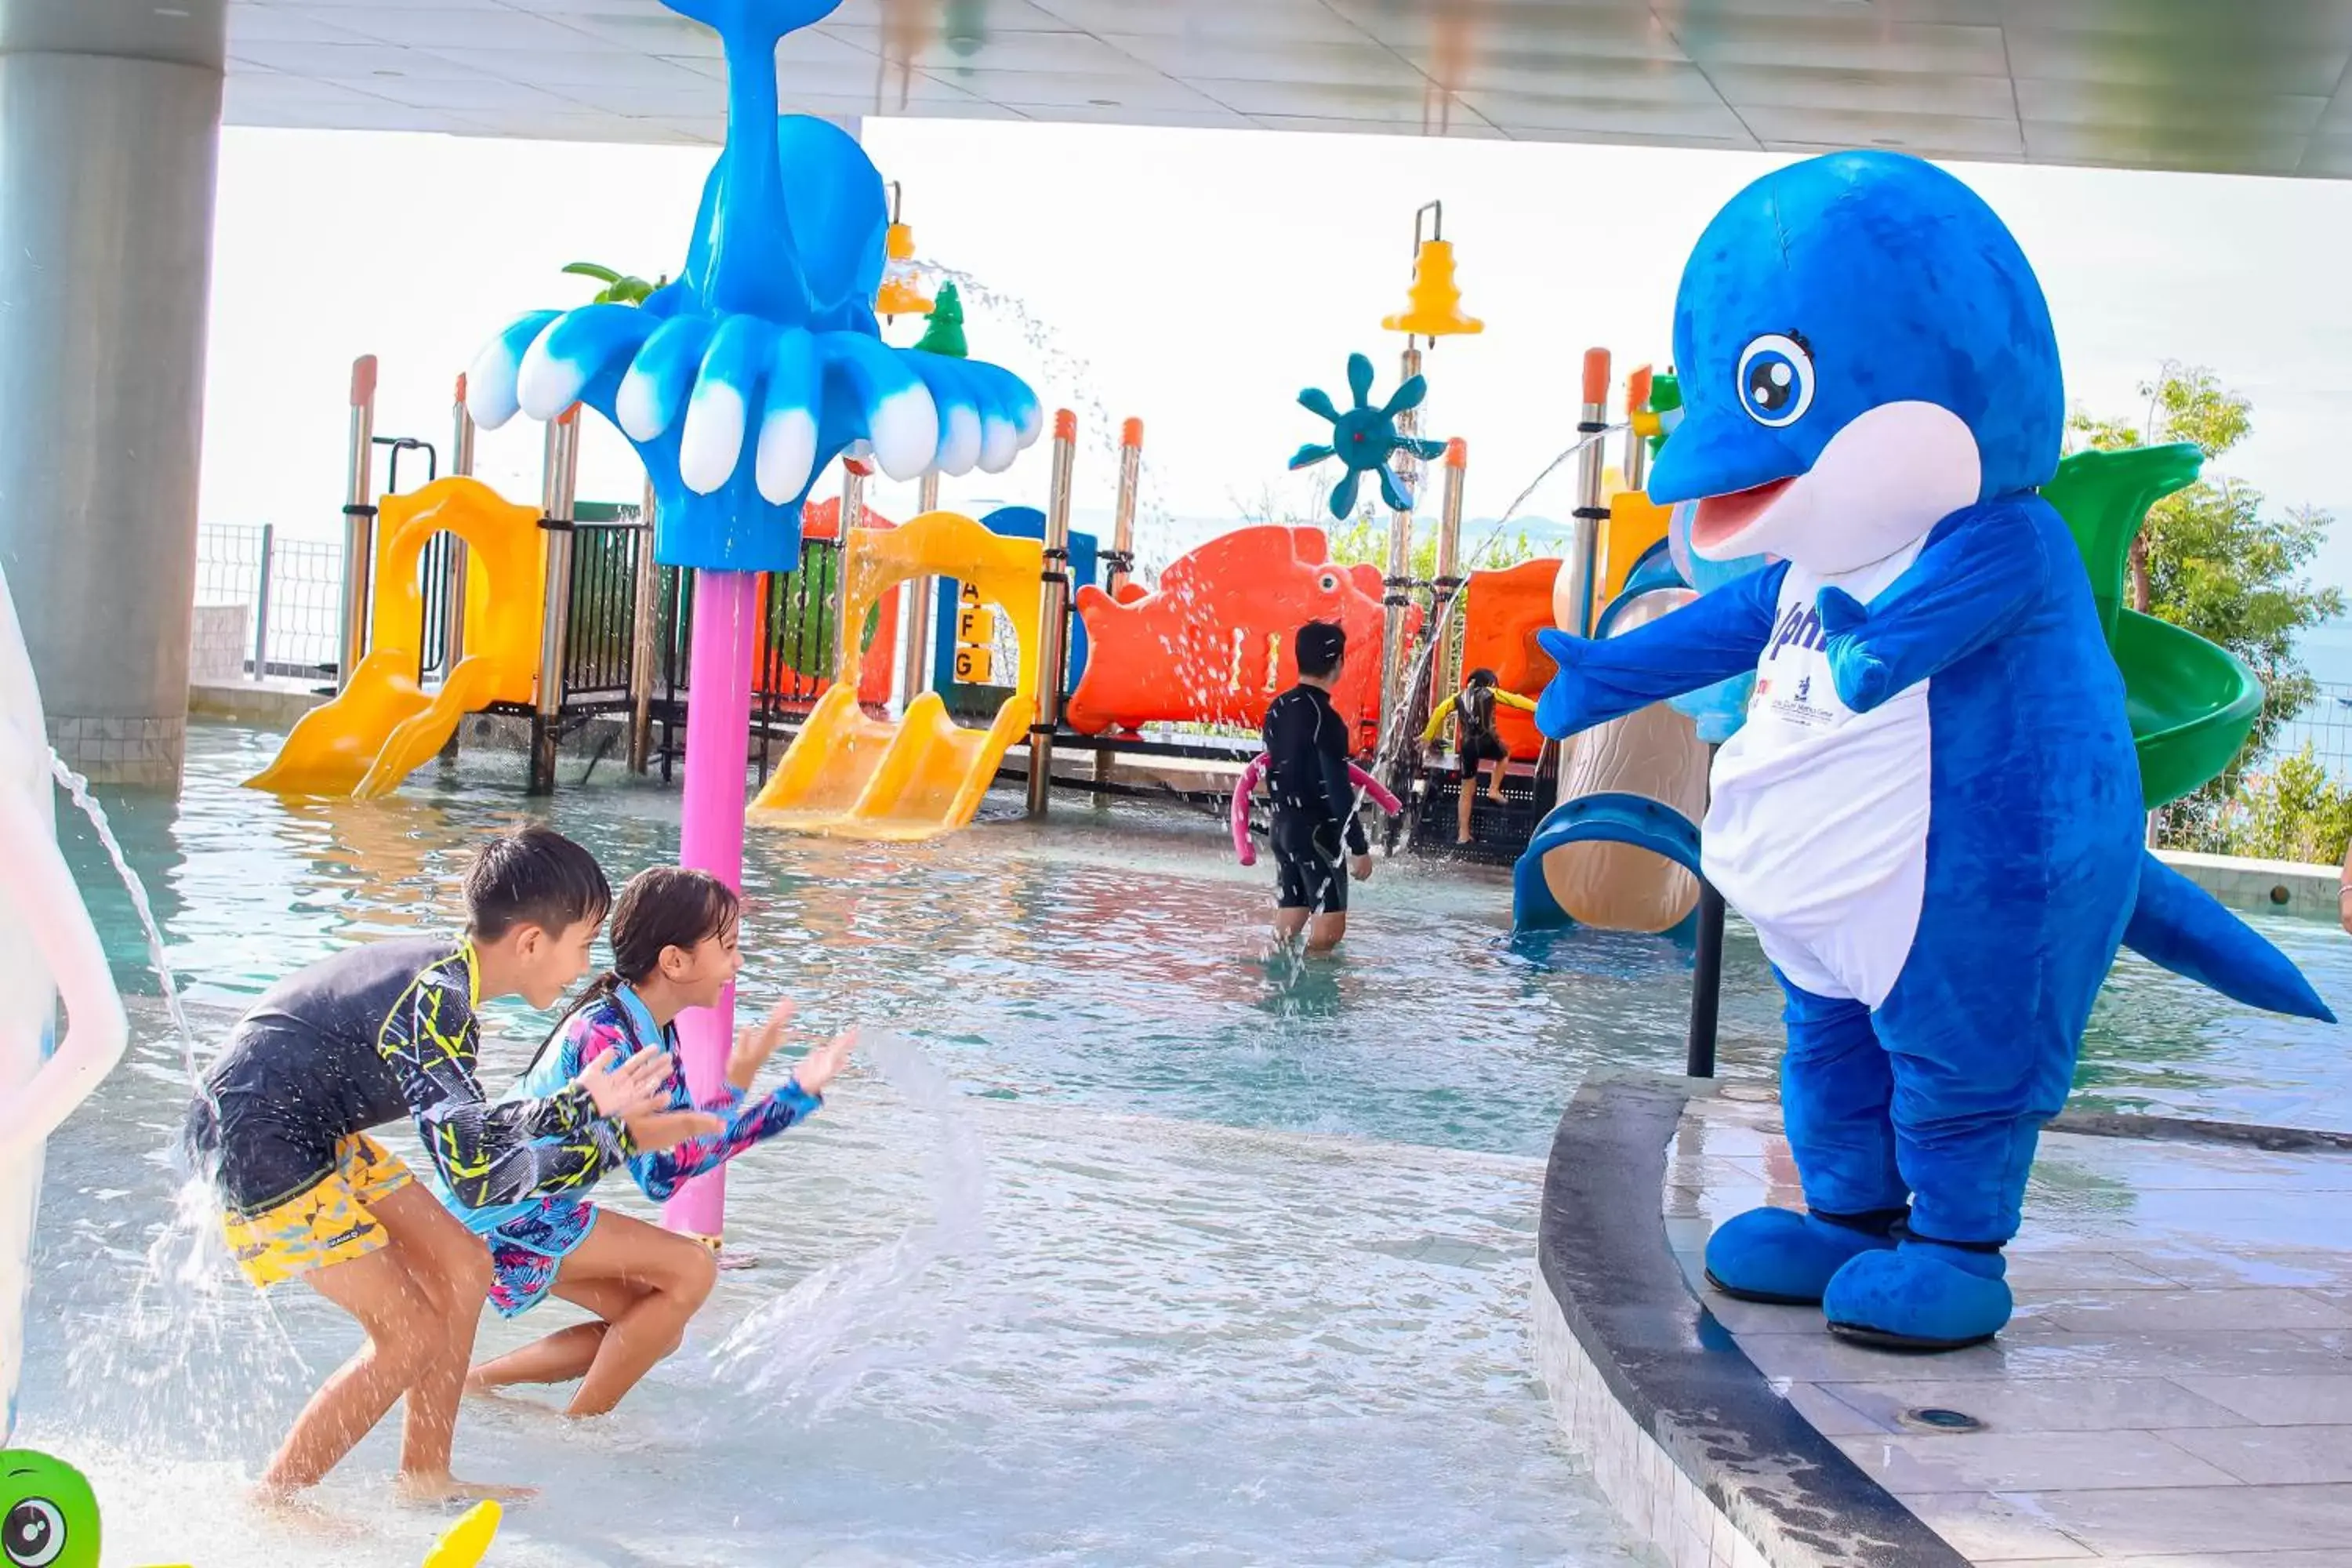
(385, 725)
(923, 776)
(1635, 526)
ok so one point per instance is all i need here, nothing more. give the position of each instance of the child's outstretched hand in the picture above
(636, 1087)
(818, 1069)
(755, 1043)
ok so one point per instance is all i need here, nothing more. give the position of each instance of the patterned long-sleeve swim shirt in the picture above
(617, 1021)
(364, 1037)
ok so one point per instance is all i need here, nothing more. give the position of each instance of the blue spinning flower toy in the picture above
(1365, 438)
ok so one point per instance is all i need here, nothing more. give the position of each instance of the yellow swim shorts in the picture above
(326, 1224)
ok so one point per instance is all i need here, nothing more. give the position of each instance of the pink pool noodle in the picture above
(718, 739)
(1246, 852)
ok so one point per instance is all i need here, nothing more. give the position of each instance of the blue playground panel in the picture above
(1011, 522)
(1608, 817)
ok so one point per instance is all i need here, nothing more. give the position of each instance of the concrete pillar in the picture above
(109, 132)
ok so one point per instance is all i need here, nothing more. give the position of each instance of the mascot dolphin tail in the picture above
(2177, 924)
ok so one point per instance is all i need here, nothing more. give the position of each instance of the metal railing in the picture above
(292, 587)
(2325, 726)
(603, 631)
(2222, 819)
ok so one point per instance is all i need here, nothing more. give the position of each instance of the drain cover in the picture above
(1944, 1420)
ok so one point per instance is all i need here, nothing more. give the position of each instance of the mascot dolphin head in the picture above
(1863, 351)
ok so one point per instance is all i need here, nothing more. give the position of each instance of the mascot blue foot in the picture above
(1923, 1296)
(1788, 1258)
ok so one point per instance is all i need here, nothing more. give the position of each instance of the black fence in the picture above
(794, 662)
(601, 647)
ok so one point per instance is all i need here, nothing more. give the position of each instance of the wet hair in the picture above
(668, 907)
(533, 876)
(1482, 677)
(1321, 646)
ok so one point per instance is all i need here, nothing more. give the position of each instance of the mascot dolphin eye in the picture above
(33, 1534)
(1776, 380)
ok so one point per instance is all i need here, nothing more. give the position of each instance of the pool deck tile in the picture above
(2176, 1391)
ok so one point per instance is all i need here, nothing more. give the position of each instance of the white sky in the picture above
(1202, 278)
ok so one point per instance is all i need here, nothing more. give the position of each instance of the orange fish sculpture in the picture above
(1210, 644)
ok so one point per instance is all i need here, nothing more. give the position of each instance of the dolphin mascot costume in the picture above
(48, 947)
(1932, 814)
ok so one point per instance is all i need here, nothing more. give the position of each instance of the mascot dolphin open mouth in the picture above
(1721, 519)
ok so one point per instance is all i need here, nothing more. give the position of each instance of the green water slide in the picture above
(2192, 704)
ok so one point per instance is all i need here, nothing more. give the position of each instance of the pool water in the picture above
(1132, 1243)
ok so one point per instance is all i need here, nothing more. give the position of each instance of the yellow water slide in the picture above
(384, 725)
(855, 776)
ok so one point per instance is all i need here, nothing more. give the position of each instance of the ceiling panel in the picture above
(1278, 21)
(1928, 135)
(2258, 87)
(1590, 116)
(1904, 49)
(2204, 150)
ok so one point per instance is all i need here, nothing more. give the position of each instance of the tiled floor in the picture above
(2176, 1391)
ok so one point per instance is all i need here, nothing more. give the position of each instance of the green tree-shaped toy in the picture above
(944, 335)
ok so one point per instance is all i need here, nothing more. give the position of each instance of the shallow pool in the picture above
(1189, 1256)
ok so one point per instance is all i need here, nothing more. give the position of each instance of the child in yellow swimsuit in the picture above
(1476, 742)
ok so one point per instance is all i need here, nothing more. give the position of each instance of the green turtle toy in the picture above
(48, 1515)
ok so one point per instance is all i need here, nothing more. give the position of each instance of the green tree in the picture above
(1364, 539)
(2211, 560)
(2291, 811)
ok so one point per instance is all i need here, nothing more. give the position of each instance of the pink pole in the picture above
(717, 737)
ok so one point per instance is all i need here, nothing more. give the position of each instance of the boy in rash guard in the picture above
(1314, 803)
(674, 947)
(355, 1042)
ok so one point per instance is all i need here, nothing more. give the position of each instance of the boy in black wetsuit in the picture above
(1314, 803)
(360, 1040)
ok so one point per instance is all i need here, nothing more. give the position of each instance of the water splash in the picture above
(192, 1347)
(1396, 729)
(181, 1347)
(1066, 370)
(78, 788)
(810, 1347)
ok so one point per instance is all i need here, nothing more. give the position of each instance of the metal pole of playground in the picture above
(1447, 580)
(1637, 446)
(841, 642)
(461, 465)
(359, 521)
(1053, 614)
(644, 639)
(453, 591)
(561, 480)
(913, 669)
(1119, 564)
(261, 601)
(1397, 597)
(1584, 546)
(1706, 976)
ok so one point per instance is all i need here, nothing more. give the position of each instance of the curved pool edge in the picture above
(1691, 1444)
